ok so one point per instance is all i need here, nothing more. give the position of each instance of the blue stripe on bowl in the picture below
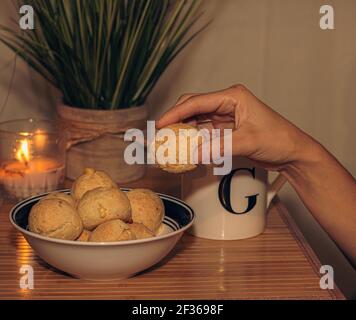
(171, 223)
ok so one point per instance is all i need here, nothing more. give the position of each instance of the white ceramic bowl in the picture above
(111, 260)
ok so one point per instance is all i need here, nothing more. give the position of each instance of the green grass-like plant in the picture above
(104, 54)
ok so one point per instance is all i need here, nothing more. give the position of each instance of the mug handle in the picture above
(274, 187)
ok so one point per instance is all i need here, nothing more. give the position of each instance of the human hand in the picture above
(259, 133)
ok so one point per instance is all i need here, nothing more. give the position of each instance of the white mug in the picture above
(229, 207)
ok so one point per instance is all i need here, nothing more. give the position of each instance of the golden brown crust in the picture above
(189, 135)
(63, 196)
(111, 231)
(91, 179)
(101, 213)
(84, 236)
(140, 231)
(160, 230)
(55, 218)
(100, 205)
(146, 208)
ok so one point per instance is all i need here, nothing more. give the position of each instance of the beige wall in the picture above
(29, 96)
(276, 48)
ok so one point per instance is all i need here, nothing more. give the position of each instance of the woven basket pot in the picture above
(96, 139)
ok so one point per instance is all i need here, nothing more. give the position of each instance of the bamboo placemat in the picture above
(279, 264)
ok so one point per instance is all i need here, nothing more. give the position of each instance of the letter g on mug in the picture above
(229, 207)
(225, 191)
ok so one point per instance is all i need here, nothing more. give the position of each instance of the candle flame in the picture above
(23, 153)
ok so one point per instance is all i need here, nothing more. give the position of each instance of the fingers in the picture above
(185, 97)
(193, 120)
(225, 145)
(221, 102)
(196, 120)
(193, 106)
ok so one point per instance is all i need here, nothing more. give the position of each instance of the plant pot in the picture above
(96, 140)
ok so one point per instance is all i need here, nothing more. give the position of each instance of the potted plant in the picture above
(105, 58)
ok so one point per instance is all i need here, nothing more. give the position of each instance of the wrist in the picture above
(308, 155)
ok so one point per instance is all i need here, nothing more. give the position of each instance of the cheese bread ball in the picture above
(146, 208)
(160, 230)
(91, 179)
(111, 231)
(84, 236)
(140, 231)
(55, 218)
(102, 204)
(63, 196)
(167, 148)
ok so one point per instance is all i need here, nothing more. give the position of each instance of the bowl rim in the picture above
(19, 205)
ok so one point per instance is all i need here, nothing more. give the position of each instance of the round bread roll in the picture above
(55, 218)
(91, 179)
(146, 208)
(140, 231)
(111, 231)
(160, 229)
(100, 205)
(84, 236)
(60, 195)
(182, 160)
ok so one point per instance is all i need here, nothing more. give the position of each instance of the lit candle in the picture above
(28, 175)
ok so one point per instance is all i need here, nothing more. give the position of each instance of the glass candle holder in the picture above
(32, 158)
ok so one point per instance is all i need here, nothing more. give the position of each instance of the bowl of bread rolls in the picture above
(98, 231)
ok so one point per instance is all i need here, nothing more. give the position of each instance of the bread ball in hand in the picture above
(173, 153)
(55, 218)
(111, 231)
(91, 179)
(63, 196)
(84, 236)
(146, 208)
(102, 204)
(140, 231)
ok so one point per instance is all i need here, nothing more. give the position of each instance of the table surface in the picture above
(279, 264)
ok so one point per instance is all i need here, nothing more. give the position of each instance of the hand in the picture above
(259, 133)
(272, 142)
